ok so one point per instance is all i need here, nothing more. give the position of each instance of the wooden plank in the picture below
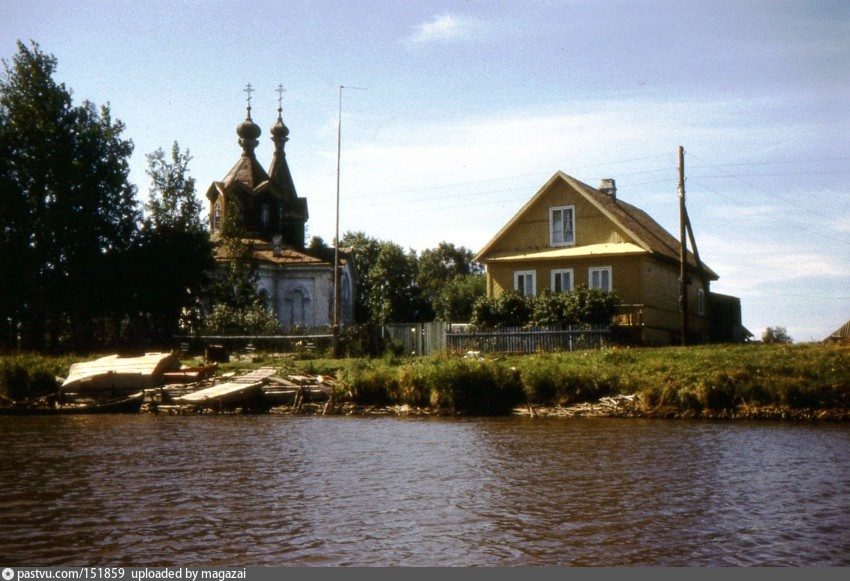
(219, 392)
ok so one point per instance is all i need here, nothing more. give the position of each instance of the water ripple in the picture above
(149, 490)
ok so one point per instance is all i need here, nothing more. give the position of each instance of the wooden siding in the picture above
(626, 274)
(531, 230)
(642, 280)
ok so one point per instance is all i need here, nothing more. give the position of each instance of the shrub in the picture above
(30, 376)
(371, 384)
(773, 335)
(254, 320)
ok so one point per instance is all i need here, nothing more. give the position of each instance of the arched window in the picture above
(297, 308)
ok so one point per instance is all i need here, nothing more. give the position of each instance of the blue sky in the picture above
(471, 106)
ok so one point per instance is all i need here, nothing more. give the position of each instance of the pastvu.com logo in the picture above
(8, 574)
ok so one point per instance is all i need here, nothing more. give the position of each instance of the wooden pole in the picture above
(336, 351)
(683, 250)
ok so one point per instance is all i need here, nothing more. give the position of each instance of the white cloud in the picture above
(446, 28)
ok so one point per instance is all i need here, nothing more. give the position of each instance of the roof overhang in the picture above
(591, 250)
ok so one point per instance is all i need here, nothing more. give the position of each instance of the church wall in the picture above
(303, 296)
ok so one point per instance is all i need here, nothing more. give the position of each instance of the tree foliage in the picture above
(438, 266)
(174, 255)
(582, 306)
(776, 335)
(455, 299)
(68, 213)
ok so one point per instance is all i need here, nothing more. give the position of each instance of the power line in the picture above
(780, 218)
(517, 176)
(766, 192)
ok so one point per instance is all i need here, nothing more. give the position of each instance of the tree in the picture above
(174, 256)
(438, 266)
(776, 335)
(68, 213)
(455, 299)
(392, 292)
(363, 252)
(386, 280)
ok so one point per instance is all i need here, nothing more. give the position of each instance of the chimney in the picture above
(276, 245)
(608, 186)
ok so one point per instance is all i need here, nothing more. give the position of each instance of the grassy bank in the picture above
(709, 381)
(692, 381)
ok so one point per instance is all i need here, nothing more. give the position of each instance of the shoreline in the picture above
(580, 411)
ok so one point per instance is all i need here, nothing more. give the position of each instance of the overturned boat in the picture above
(115, 375)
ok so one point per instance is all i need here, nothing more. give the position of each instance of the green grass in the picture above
(682, 379)
(30, 375)
(717, 377)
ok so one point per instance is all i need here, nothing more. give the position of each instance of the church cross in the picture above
(280, 91)
(249, 89)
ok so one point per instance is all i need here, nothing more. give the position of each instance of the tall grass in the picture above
(28, 375)
(690, 379)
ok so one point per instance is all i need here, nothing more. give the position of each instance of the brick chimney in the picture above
(608, 186)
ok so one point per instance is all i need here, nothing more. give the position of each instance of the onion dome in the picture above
(248, 129)
(279, 131)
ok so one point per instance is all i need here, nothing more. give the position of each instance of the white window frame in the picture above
(526, 273)
(552, 211)
(600, 269)
(560, 271)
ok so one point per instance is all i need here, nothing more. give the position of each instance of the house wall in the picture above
(661, 315)
(637, 280)
(531, 230)
(626, 274)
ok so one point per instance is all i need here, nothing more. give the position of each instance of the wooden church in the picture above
(297, 284)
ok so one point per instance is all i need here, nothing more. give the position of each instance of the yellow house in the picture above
(571, 234)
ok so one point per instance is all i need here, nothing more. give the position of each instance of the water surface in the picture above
(250, 490)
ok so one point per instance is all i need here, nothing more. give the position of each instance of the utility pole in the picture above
(336, 312)
(683, 249)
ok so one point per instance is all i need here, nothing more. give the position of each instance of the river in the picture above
(141, 490)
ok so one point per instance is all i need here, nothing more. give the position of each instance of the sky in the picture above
(464, 109)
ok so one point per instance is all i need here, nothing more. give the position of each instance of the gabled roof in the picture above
(644, 232)
(841, 334)
(596, 250)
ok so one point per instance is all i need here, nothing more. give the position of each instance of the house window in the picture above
(700, 302)
(265, 214)
(562, 280)
(524, 282)
(562, 226)
(216, 220)
(599, 277)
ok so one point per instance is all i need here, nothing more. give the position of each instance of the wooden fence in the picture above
(416, 338)
(528, 339)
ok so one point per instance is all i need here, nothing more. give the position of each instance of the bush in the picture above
(254, 320)
(371, 384)
(774, 335)
(30, 376)
(581, 306)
